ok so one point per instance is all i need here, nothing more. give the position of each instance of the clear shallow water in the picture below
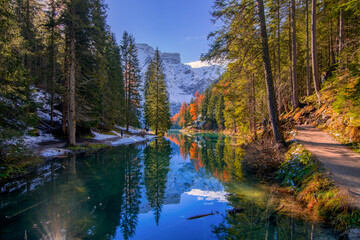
(147, 192)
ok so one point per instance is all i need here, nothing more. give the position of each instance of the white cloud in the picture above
(209, 195)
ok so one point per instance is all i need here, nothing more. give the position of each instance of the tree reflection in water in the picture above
(156, 160)
(97, 196)
(212, 152)
(131, 197)
(258, 220)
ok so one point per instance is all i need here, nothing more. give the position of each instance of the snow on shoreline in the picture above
(118, 140)
(132, 139)
(131, 129)
(101, 136)
(115, 138)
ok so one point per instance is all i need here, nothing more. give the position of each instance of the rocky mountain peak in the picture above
(171, 58)
(182, 80)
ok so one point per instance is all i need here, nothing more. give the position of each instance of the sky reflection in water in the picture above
(147, 192)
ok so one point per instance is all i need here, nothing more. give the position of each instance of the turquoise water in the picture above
(149, 191)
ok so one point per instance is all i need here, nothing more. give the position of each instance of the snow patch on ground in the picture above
(131, 129)
(116, 133)
(101, 136)
(42, 98)
(132, 139)
(31, 141)
(125, 139)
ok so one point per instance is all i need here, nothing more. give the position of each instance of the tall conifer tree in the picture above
(14, 105)
(157, 106)
(130, 65)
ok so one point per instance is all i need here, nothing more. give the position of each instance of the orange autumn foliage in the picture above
(194, 151)
(175, 118)
(194, 111)
(173, 138)
(182, 114)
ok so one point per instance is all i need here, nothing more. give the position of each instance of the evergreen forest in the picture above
(267, 131)
(64, 52)
(282, 56)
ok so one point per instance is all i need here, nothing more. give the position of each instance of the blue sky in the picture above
(178, 26)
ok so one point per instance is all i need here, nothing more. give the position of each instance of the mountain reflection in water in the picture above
(147, 192)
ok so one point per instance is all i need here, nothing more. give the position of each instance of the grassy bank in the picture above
(23, 161)
(18, 164)
(298, 172)
(20, 160)
(308, 180)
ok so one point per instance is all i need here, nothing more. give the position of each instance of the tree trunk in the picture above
(278, 57)
(27, 36)
(253, 120)
(269, 81)
(285, 105)
(128, 79)
(157, 103)
(308, 82)
(72, 113)
(53, 70)
(314, 51)
(332, 53)
(290, 59)
(340, 34)
(234, 123)
(65, 111)
(294, 77)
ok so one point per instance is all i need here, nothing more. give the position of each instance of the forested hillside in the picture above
(65, 53)
(302, 52)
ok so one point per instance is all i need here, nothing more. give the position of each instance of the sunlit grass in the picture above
(89, 146)
(312, 186)
(17, 164)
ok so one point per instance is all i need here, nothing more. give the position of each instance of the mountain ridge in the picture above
(182, 79)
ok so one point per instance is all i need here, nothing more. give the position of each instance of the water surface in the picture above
(149, 191)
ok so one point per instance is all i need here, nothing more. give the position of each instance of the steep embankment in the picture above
(338, 112)
(323, 172)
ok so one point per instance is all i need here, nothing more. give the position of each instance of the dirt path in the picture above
(342, 163)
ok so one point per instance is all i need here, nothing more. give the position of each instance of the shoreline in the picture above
(44, 152)
(61, 149)
(311, 190)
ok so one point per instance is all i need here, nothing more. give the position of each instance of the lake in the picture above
(178, 187)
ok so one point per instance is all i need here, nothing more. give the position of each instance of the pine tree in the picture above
(157, 106)
(114, 100)
(315, 70)
(52, 49)
(211, 111)
(14, 102)
(269, 81)
(72, 78)
(219, 109)
(130, 66)
(295, 94)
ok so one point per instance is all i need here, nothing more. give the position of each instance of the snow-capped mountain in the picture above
(182, 80)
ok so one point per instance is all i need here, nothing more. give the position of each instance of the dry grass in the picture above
(262, 158)
(316, 190)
